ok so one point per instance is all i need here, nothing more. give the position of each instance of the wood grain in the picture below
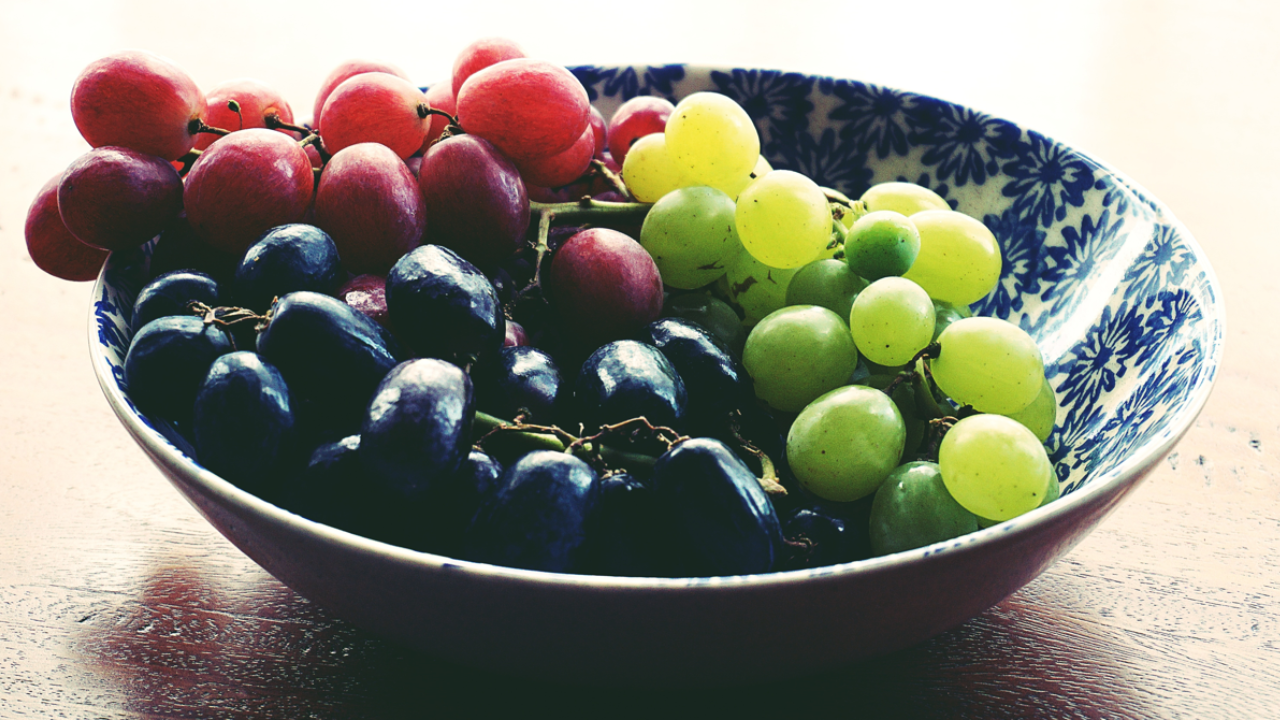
(118, 601)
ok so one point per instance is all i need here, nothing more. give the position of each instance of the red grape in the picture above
(479, 55)
(375, 107)
(246, 184)
(115, 198)
(256, 101)
(137, 100)
(641, 115)
(515, 336)
(369, 203)
(601, 131)
(368, 294)
(527, 108)
(476, 203)
(563, 167)
(439, 97)
(605, 286)
(52, 246)
(347, 70)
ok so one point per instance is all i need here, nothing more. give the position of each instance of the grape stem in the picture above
(196, 125)
(598, 167)
(770, 482)
(234, 107)
(187, 161)
(529, 437)
(226, 317)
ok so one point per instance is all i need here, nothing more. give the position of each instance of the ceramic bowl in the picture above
(1119, 296)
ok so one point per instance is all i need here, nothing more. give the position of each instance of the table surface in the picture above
(117, 600)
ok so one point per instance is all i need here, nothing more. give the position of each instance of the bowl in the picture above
(1121, 299)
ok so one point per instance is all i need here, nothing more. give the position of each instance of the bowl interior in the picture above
(1118, 295)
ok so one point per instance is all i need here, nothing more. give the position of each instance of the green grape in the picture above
(988, 363)
(783, 220)
(904, 396)
(903, 197)
(829, 283)
(761, 169)
(945, 314)
(1053, 493)
(891, 321)
(959, 260)
(913, 508)
(691, 236)
(844, 444)
(714, 315)
(994, 467)
(882, 244)
(755, 287)
(649, 171)
(1041, 415)
(798, 353)
(712, 140)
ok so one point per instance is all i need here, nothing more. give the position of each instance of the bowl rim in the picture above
(1129, 471)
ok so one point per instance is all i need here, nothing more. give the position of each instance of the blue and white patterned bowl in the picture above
(1119, 296)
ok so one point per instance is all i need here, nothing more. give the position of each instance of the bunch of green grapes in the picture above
(859, 328)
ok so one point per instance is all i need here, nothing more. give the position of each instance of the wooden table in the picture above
(117, 600)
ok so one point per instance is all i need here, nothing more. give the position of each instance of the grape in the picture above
(170, 293)
(476, 202)
(604, 286)
(439, 97)
(649, 170)
(516, 336)
(892, 320)
(248, 183)
(287, 259)
(844, 444)
(537, 515)
(709, 313)
(168, 359)
(137, 100)
(357, 354)
(256, 101)
(370, 204)
(730, 523)
(627, 379)
(375, 107)
(563, 167)
(882, 244)
(1041, 415)
(902, 197)
(346, 71)
(180, 248)
(783, 220)
(634, 119)
(599, 133)
(757, 288)
(904, 396)
(244, 421)
(994, 467)
(691, 235)
(519, 379)
(714, 381)
(913, 508)
(988, 363)
(798, 353)
(762, 168)
(442, 306)
(631, 535)
(527, 108)
(115, 198)
(52, 246)
(417, 429)
(368, 294)
(959, 260)
(479, 55)
(829, 283)
(945, 314)
(712, 140)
